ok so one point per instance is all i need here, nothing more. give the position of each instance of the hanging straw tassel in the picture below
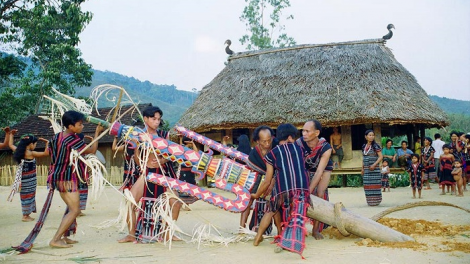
(208, 234)
(15, 187)
(126, 208)
(97, 179)
(162, 211)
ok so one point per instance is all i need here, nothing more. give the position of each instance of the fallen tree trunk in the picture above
(324, 211)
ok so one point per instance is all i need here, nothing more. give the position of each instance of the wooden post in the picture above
(422, 133)
(346, 142)
(378, 133)
(360, 226)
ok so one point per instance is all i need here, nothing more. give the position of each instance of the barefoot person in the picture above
(148, 191)
(372, 178)
(25, 156)
(416, 174)
(265, 141)
(63, 176)
(457, 174)
(337, 143)
(317, 153)
(290, 195)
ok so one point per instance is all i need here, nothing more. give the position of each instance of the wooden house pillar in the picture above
(346, 141)
(378, 132)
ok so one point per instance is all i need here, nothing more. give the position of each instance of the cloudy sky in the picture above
(181, 42)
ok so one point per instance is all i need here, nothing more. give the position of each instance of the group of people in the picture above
(293, 168)
(70, 181)
(432, 161)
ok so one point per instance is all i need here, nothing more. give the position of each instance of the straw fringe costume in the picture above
(290, 195)
(372, 180)
(147, 228)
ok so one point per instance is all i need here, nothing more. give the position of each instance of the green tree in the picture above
(46, 32)
(265, 32)
(457, 122)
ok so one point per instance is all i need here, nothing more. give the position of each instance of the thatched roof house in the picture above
(354, 85)
(344, 83)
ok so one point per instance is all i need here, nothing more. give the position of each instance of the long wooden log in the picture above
(324, 211)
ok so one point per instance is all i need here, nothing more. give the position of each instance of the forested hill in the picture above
(451, 105)
(173, 102)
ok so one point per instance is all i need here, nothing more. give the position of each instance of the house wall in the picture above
(114, 166)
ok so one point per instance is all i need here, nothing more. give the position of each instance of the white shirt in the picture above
(437, 145)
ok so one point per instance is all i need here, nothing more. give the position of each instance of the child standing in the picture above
(385, 170)
(416, 172)
(445, 166)
(25, 155)
(290, 195)
(457, 174)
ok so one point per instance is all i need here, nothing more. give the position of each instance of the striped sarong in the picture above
(83, 192)
(293, 234)
(372, 181)
(28, 187)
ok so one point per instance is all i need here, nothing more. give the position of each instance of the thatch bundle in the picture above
(345, 83)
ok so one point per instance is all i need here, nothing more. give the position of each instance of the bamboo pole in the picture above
(360, 226)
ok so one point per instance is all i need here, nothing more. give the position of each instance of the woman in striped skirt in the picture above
(372, 178)
(25, 178)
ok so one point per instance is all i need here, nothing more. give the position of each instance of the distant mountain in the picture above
(173, 102)
(452, 106)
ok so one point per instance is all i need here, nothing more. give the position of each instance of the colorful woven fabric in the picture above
(427, 153)
(147, 228)
(446, 177)
(28, 187)
(259, 208)
(131, 170)
(293, 234)
(416, 171)
(15, 187)
(83, 191)
(27, 244)
(313, 156)
(372, 180)
(72, 230)
(61, 174)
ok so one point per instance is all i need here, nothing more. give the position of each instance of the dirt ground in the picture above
(442, 234)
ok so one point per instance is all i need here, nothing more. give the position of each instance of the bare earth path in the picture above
(101, 246)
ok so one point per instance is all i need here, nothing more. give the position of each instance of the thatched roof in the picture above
(344, 83)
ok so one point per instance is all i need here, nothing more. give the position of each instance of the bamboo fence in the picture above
(7, 174)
